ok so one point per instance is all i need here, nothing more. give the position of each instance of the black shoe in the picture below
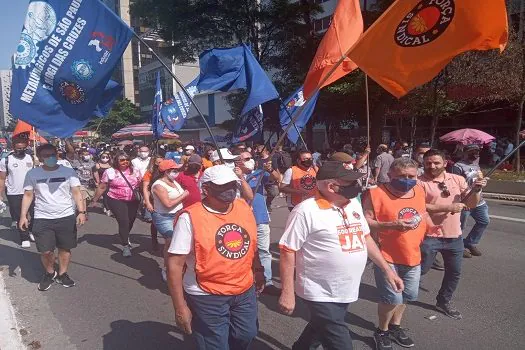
(467, 254)
(382, 340)
(272, 290)
(474, 251)
(47, 281)
(64, 280)
(398, 335)
(449, 310)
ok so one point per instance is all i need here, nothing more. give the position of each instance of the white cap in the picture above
(219, 175)
(189, 147)
(226, 155)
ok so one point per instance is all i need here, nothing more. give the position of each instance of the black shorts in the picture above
(55, 233)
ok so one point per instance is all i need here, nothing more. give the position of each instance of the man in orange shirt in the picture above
(398, 219)
(299, 181)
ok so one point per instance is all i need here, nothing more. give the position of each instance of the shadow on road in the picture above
(26, 260)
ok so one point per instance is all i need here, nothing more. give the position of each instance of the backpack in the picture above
(284, 161)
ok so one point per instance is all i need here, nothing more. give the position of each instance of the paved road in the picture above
(122, 303)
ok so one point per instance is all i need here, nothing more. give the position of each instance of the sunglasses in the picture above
(444, 190)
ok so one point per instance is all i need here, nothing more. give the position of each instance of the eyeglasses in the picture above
(444, 190)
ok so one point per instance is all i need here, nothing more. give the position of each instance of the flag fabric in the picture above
(112, 91)
(249, 126)
(344, 31)
(175, 110)
(232, 69)
(63, 62)
(415, 39)
(291, 105)
(22, 127)
(157, 125)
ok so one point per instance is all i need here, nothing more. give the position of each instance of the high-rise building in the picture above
(5, 94)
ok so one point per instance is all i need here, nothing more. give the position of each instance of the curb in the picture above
(504, 196)
(10, 338)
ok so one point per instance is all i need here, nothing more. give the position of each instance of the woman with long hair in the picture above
(151, 172)
(167, 202)
(122, 181)
(103, 163)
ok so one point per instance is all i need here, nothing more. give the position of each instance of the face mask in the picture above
(230, 165)
(86, 158)
(307, 163)
(104, 160)
(20, 152)
(173, 175)
(179, 150)
(403, 185)
(51, 162)
(188, 152)
(143, 155)
(350, 191)
(227, 196)
(250, 164)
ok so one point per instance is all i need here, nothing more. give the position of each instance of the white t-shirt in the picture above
(330, 251)
(52, 191)
(287, 180)
(173, 192)
(141, 165)
(18, 169)
(65, 163)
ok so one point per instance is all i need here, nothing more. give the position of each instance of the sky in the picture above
(12, 15)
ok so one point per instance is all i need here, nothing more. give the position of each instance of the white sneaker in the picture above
(126, 252)
(31, 237)
(164, 275)
(108, 212)
(26, 244)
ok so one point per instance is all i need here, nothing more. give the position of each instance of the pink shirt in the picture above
(433, 195)
(118, 188)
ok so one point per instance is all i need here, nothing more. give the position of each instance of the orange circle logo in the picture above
(425, 23)
(308, 182)
(232, 241)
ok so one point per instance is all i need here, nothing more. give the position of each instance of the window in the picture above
(322, 23)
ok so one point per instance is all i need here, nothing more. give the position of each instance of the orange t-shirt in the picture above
(147, 176)
(206, 163)
(400, 247)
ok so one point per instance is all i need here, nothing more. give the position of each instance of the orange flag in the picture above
(415, 39)
(22, 127)
(344, 31)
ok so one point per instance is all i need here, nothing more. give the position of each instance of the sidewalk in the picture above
(10, 338)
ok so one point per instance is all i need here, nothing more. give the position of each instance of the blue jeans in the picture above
(410, 276)
(263, 246)
(222, 322)
(480, 215)
(452, 251)
(327, 326)
(164, 223)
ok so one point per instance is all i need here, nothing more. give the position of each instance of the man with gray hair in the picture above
(327, 242)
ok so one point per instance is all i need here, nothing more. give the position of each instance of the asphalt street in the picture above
(122, 303)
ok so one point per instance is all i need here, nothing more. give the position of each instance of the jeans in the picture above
(125, 212)
(410, 276)
(480, 215)
(452, 251)
(327, 326)
(15, 207)
(263, 246)
(222, 322)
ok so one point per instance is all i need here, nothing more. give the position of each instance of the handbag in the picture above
(136, 193)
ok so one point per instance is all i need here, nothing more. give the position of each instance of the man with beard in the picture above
(443, 196)
(299, 181)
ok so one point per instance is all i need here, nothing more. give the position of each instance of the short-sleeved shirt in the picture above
(191, 184)
(141, 165)
(260, 211)
(330, 249)
(16, 173)
(52, 191)
(383, 162)
(469, 172)
(118, 187)
(84, 171)
(457, 186)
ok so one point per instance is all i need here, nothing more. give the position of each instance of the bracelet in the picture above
(82, 212)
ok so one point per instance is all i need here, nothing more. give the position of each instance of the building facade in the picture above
(5, 94)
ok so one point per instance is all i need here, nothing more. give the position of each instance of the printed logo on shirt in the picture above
(232, 241)
(411, 215)
(351, 238)
(308, 182)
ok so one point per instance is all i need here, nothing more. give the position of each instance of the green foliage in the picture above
(122, 114)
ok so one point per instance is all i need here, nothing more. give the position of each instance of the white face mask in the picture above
(143, 155)
(173, 175)
(86, 158)
(104, 160)
(250, 164)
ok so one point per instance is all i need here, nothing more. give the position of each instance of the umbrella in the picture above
(467, 137)
(140, 130)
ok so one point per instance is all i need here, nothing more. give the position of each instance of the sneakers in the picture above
(31, 237)
(467, 254)
(398, 335)
(64, 280)
(382, 340)
(126, 251)
(47, 281)
(474, 251)
(449, 310)
(26, 244)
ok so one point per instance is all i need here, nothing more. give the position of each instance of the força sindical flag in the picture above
(63, 63)
(415, 39)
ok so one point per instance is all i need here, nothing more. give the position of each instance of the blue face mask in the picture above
(403, 185)
(51, 162)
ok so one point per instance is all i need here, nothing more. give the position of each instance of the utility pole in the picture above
(519, 118)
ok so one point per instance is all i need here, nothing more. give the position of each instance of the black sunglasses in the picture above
(444, 190)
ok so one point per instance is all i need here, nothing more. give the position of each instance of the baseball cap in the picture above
(167, 164)
(189, 147)
(226, 155)
(337, 170)
(219, 175)
(342, 157)
(195, 159)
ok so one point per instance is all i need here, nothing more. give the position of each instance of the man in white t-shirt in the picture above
(13, 170)
(327, 240)
(56, 190)
(142, 161)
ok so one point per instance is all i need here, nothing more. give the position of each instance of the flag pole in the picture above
(294, 125)
(184, 90)
(367, 128)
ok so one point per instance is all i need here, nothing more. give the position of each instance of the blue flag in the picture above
(232, 69)
(249, 125)
(292, 104)
(63, 62)
(157, 126)
(111, 92)
(175, 110)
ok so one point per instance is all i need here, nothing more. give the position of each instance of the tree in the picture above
(122, 114)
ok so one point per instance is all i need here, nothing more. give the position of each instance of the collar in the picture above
(447, 177)
(324, 204)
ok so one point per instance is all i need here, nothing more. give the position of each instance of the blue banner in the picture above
(292, 104)
(249, 125)
(175, 110)
(64, 61)
(157, 126)
(112, 91)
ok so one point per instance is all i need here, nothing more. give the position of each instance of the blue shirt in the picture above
(260, 211)
(176, 156)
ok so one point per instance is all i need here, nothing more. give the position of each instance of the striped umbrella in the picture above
(141, 130)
